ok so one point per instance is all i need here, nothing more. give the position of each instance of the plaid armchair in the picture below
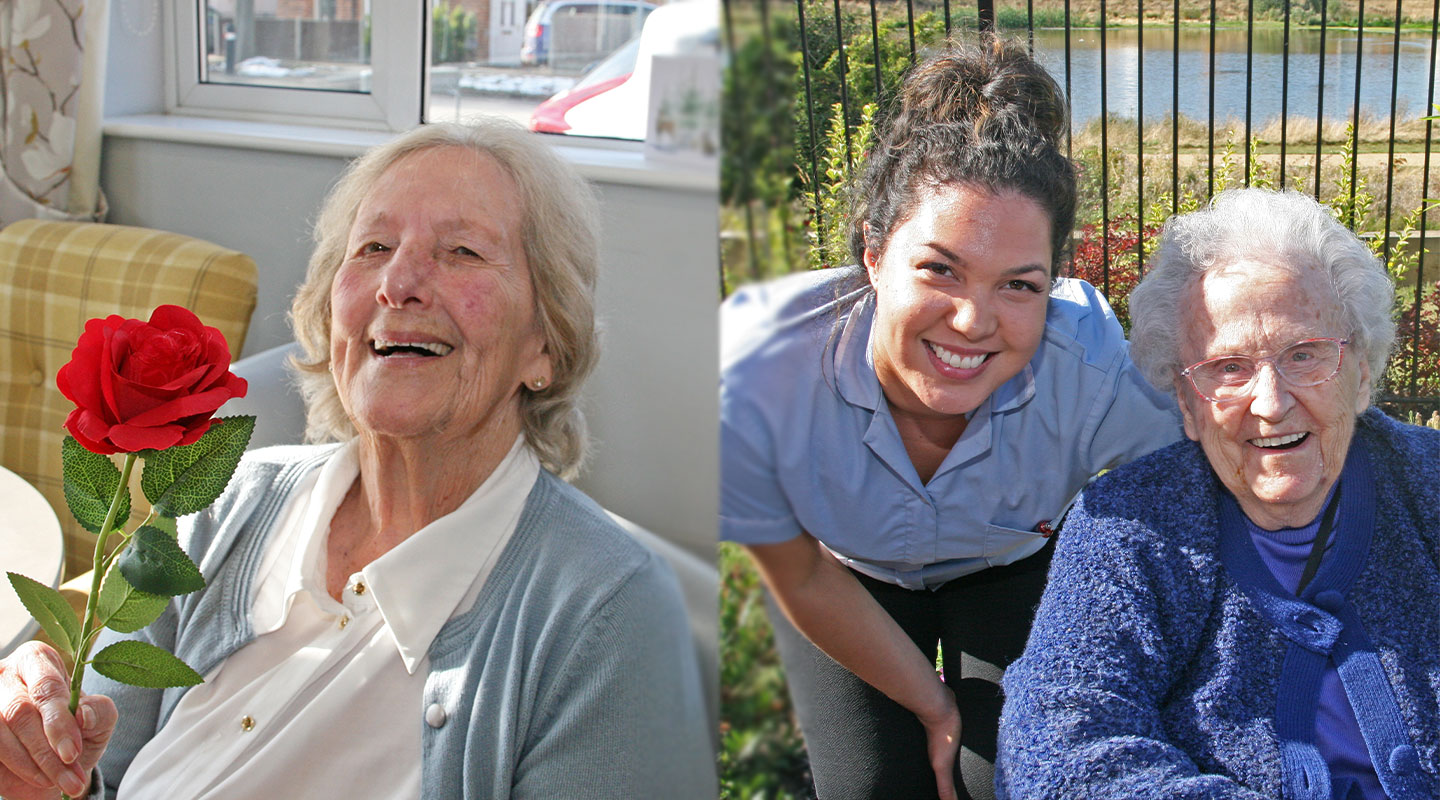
(55, 276)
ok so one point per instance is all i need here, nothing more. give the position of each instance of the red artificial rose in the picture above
(143, 386)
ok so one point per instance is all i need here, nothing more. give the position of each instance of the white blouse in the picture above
(327, 700)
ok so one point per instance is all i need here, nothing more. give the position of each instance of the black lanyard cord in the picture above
(1322, 537)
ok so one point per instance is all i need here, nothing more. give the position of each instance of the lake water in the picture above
(1122, 55)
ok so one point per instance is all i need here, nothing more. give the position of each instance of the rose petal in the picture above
(74, 424)
(79, 380)
(184, 406)
(193, 433)
(106, 372)
(132, 400)
(131, 439)
(169, 317)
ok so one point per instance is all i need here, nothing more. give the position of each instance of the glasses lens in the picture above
(1224, 378)
(1309, 363)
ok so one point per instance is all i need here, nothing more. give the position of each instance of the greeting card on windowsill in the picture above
(684, 118)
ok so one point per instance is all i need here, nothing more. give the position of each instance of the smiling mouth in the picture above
(1287, 442)
(955, 359)
(386, 348)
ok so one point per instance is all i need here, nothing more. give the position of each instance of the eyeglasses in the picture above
(1306, 363)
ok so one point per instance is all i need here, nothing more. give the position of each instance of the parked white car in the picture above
(616, 106)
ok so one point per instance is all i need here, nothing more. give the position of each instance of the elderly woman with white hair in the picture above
(425, 610)
(1252, 613)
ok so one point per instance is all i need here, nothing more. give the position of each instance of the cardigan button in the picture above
(1403, 761)
(435, 715)
(1330, 600)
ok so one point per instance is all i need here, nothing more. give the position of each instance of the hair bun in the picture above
(994, 87)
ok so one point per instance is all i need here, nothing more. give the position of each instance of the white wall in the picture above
(652, 404)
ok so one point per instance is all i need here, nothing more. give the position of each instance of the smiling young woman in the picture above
(899, 439)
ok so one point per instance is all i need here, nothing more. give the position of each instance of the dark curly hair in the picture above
(984, 114)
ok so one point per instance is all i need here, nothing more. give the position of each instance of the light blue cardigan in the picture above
(573, 675)
(1151, 674)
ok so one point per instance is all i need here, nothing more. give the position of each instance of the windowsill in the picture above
(599, 161)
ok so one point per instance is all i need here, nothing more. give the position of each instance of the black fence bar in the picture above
(1355, 116)
(947, 17)
(1104, 161)
(986, 15)
(1140, 134)
(1175, 118)
(1284, 91)
(1320, 105)
(1029, 24)
(1069, 95)
(1210, 124)
(1390, 152)
(910, 20)
(844, 91)
(1425, 215)
(875, 45)
(1249, 77)
(809, 109)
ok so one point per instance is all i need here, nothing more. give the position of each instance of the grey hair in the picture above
(1285, 228)
(560, 232)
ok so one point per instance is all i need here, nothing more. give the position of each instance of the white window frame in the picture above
(398, 75)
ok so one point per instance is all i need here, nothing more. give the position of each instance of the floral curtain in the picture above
(52, 56)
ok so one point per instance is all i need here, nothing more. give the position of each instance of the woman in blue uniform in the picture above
(900, 438)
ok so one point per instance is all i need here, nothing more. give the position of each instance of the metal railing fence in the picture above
(851, 53)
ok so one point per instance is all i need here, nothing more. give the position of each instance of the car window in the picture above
(619, 64)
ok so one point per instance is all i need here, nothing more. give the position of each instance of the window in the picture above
(299, 60)
(555, 65)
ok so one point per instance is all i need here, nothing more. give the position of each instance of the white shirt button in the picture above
(435, 715)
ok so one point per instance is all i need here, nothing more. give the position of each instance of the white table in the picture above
(30, 544)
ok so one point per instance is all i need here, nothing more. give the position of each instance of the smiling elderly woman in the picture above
(424, 610)
(1250, 614)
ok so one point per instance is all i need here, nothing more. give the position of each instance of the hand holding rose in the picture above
(44, 749)
(147, 390)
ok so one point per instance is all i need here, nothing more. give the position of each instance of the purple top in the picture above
(1337, 734)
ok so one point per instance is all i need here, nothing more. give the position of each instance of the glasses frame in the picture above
(1249, 386)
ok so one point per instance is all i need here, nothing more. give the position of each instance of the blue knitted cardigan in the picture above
(1150, 673)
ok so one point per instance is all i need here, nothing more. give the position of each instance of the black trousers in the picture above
(864, 745)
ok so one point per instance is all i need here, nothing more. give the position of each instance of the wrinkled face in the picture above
(1281, 448)
(433, 326)
(960, 297)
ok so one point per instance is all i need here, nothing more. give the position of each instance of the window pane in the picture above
(538, 63)
(294, 44)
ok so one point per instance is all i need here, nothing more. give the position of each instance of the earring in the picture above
(538, 384)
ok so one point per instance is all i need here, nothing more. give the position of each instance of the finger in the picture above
(22, 720)
(98, 717)
(15, 759)
(44, 674)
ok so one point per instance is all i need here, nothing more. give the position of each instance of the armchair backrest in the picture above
(57, 275)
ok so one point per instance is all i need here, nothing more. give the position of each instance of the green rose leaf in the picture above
(166, 524)
(90, 481)
(155, 563)
(183, 480)
(125, 609)
(49, 609)
(145, 665)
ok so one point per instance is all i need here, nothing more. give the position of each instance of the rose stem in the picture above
(82, 650)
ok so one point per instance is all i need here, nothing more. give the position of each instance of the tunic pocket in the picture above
(1008, 545)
